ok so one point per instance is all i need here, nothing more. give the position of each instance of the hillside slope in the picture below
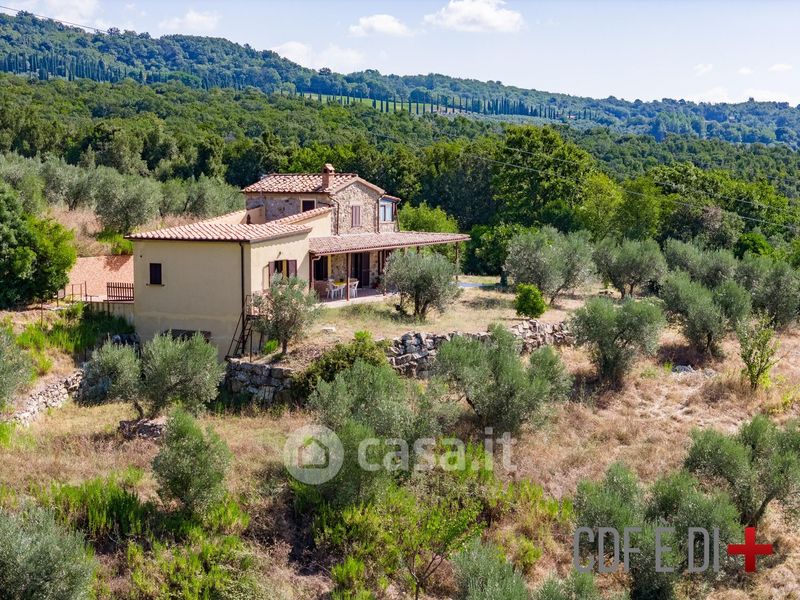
(46, 49)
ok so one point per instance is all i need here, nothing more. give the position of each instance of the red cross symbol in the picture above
(750, 549)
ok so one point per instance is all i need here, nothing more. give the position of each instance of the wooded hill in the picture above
(47, 49)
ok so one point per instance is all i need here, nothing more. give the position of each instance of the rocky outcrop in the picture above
(413, 353)
(148, 429)
(54, 395)
(263, 382)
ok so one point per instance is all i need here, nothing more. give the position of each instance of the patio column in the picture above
(458, 246)
(347, 278)
(311, 273)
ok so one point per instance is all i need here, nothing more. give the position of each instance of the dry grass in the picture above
(647, 424)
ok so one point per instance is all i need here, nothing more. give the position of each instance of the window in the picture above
(155, 274)
(387, 212)
(287, 268)
(309, 205)
(355, 213)
(321, 268)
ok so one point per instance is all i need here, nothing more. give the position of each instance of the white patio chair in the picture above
(331, 289)
(353, 289)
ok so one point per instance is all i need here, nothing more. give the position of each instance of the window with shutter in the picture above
(355, 211)
(155, 274)
(292, 268)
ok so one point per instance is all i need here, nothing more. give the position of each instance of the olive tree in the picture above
(757, 465)
(182, 371)
(423, 279)
(615, 334)
(41, 559)
(191, 465)
(553, 262)
(112, 373)
(493, 380)
(629, 265)
(287, 311)
(774, 287)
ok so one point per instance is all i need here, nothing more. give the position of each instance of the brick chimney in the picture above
(327, 171)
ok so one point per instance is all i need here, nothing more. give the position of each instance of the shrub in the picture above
(349, 580)
(629, 265)
(528, 301)
(40, 559)
(483, 573)
(191, 465)
(550, 260)
(103, 508)
(756, 466)
(183, 371)
(578, 586)
(337, 359)
(14, 367)
(423, 534)
(286, 312)
(758, 348)
(204, 566)
(495, 383)
(614, 334)
(113, 373)
(35, 254)
(717, 267)
(683, 256)
(753, 243)
(424, 280)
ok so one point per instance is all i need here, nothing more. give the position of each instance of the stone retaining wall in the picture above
(412, 354)
(54, 395)
(264, 383)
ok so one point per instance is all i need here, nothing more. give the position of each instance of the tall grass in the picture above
(76, 331)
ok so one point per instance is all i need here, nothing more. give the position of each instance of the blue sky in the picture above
(701, 50)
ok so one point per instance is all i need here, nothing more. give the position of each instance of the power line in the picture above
(19, 10)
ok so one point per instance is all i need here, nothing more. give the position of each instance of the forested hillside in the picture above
(46, 49)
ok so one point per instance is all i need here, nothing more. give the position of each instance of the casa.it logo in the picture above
(616, 548)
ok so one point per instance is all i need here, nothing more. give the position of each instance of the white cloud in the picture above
(766, 95)
(76, 11)
(722, 94)
(476, 16)
(715, 94)
(780, 68)
(745, 71)
(702, 69)
(192, 22)
(379, 25)
(334, 57)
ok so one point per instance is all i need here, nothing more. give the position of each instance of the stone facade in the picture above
(54, 395)
(262, 382)
(413, 353)
(357, 194)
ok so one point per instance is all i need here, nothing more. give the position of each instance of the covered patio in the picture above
(350, 267)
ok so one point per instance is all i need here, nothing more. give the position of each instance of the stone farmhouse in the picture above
(334, 230)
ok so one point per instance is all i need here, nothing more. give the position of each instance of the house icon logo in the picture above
(313, 454)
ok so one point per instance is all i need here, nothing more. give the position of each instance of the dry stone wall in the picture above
(411, 354)
(54, 395)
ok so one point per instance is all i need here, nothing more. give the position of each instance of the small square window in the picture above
(309, 205)
(155, 274)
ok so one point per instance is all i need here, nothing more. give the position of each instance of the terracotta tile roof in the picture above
(215, 231)
(303, 216)
(97, 271)
(380, 241)
(300, 183)
(389, 197)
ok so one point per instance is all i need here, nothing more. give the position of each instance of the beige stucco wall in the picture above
(201, 288)
(260, 255)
